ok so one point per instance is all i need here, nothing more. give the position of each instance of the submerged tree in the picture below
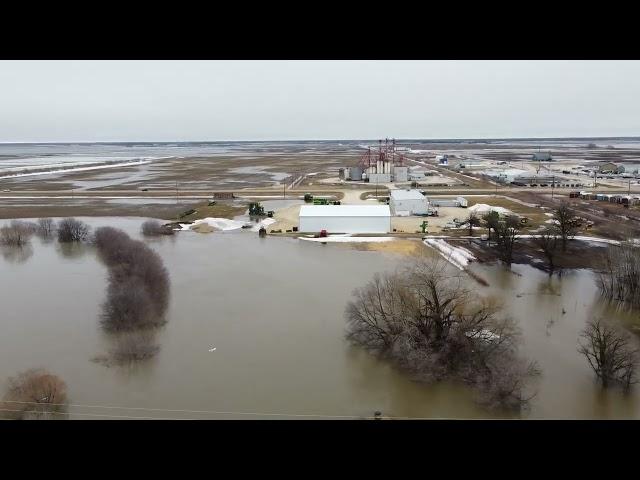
(138, 291)
(619, 280)
(429, 323)
(547, 241)
(153, 228)
(72, 230)
(35, 394)
(16, 234)
(610, 352)
(507, 232)
(46, 227)
(566, 223)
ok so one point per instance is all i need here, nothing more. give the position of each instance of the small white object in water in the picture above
(212, 349)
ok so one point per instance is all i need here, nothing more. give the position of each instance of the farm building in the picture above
(345, 218)
(408, 202)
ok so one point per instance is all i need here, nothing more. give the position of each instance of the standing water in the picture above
(256, 330)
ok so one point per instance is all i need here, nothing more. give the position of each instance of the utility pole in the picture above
(553, 184)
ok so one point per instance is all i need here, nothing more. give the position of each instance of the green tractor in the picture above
(256, 210)
(320, 201)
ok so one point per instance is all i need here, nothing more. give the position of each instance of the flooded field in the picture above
(273, 310)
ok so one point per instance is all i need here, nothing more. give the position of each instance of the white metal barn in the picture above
(408, 202)
(345, 218)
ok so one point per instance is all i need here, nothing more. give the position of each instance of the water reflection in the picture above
(17, 254)
(73, 250)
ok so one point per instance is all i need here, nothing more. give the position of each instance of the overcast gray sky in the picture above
(281, 100)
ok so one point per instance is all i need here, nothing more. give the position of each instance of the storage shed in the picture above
(345, 218)
(411, 201)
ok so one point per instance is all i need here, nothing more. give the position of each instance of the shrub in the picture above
(17, 233)
(72, 230)
(152, 228)
(35, 394)
(46, 227)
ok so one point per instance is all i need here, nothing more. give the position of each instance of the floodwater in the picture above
(273, 310)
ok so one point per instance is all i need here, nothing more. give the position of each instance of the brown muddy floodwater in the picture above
(273, 310)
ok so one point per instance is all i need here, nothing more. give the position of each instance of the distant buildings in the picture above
(610, 167)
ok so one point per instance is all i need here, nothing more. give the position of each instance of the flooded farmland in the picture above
(256, 330)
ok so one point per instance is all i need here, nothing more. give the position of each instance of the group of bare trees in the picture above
(34, 394)
(137, 294)
(425, 320)
(619, 279)
(504, 231)
(19, 232)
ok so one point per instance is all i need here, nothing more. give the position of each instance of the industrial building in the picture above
(408, 202)
(384, 165)
(345, 218)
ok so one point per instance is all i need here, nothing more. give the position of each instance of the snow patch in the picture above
(482, 208)
(347, 239)
(457, 256)
(223, 224)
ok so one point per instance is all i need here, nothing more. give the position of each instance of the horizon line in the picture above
(63, 142)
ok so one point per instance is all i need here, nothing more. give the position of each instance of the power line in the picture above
(266, 414)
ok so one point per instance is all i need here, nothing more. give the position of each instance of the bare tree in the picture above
(619, 280)
(566, 223)
(430, 324)
(506, 236)
(35, 394)
(72, 230)
(17, 233)
(491, 221)
(153, 228)
(547, 241)
(473, 221)
(610, 353)
(46, 227)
